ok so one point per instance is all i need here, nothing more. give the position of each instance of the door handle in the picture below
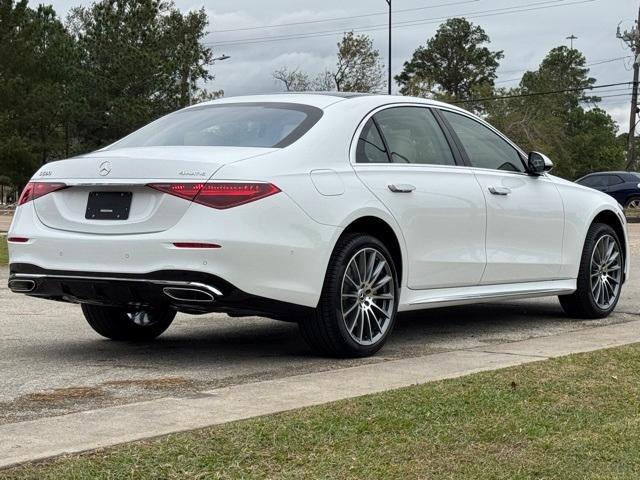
(499, 190)
(401, 188)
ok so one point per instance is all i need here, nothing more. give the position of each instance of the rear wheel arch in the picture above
(376, 227)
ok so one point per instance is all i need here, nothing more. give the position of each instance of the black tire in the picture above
(326, 330)
(581, 303)
(117, 323)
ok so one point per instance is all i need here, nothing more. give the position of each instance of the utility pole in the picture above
(186, 73)
(632, 39)
(572, 37)
(389, 66)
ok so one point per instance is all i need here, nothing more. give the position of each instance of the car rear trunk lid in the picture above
(107, 190)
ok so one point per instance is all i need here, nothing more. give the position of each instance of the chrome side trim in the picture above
(495, 296)
(196, 285)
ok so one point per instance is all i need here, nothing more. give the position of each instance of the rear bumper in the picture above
(185, 291)
(269, 249)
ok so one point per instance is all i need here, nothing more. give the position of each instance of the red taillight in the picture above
(188, 191)
(219, 195)
(33, 190)
(17, 239)
(227, 195)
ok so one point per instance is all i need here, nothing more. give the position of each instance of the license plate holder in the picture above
(108, 206)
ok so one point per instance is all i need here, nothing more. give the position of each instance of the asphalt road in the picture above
(51, 362)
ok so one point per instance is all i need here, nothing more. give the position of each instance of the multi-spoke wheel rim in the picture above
(606, 272)
(368, 296)
(634, 204)
(141, 318)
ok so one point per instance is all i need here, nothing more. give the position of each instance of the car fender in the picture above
(582, 205)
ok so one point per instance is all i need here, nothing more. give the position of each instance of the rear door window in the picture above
(615, 180)
(413, 135)
(371, 148)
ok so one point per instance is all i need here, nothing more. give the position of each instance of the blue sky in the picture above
(525, 36)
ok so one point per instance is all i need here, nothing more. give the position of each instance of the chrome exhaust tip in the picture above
(188, 295)
(21, 286)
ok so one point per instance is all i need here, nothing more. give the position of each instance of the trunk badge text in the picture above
(191, 174)
(105, 168)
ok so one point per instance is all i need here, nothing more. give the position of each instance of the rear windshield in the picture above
(269, 125)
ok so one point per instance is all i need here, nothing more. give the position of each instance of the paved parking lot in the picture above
(53, 363)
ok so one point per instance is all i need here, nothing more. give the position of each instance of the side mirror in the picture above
(539, 163)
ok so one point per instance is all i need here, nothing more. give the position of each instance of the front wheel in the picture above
(359, 300)
(600, 275)
(128, 324)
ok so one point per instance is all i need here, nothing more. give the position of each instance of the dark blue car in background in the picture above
(623, 186)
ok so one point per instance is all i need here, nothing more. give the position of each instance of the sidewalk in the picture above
(48, 437)
(5, 221)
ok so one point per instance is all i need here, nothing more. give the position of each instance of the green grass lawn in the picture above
(576, 417)
(4, 254)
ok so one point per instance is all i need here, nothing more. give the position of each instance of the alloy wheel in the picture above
(634, 204)
(606, 272)
(141, 318)
(368, 296)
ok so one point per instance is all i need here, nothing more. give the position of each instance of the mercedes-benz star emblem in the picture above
(105, 168)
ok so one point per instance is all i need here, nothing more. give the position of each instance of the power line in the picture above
(608, 61)
(350, 17)
(592, 64)
(616, 90)
(402, 24)
(619, 95)
(535, 94)
(478, 14)
(509, 80)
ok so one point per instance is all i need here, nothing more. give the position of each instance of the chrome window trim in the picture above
(363, 122)
(518, 150)
(354, 140)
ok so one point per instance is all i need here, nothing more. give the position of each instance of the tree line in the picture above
(456, 65)
(72, 86)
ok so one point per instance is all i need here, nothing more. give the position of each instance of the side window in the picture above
(371, 148)
(484, 147)
(584, 181)
(615, 180)
(595, 181)
(413, 135)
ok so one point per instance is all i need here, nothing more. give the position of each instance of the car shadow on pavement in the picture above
(211, 341)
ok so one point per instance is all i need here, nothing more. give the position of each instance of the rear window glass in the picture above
(269, 125)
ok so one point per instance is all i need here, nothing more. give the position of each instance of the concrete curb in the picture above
(78, 432)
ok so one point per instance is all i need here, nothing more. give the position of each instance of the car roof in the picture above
(613, 172)
(326, 99)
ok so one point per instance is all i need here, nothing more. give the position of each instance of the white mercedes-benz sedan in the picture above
(335, 211)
